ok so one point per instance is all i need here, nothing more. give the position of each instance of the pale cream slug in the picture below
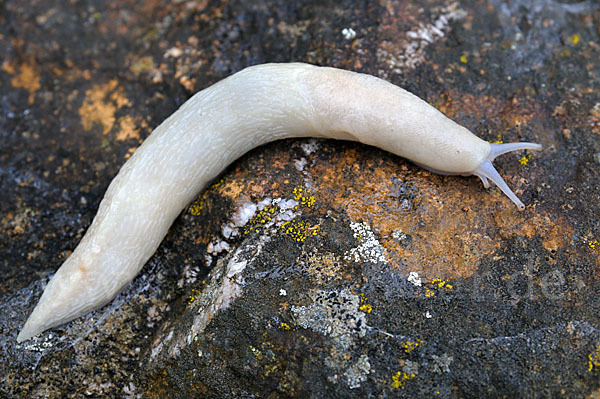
(216, 126)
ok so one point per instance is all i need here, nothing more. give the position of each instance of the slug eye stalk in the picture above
(487, 171)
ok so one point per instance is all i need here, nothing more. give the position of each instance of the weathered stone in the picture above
(310, 268)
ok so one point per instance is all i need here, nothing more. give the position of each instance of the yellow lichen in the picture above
(410, 346)
(193, 296)
(364, 306)
(498, 140)
(401, 378)
(302, 196)
(575, 38)
(299, 230)
(594, 359)
(439, 283)
(285, 326)
(263, 216)
(593, 244)
(463, 59)
(524, 160)
(256, 352)
(197, 206)
(270, 368)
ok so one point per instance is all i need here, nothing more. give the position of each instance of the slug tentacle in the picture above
(487, 171)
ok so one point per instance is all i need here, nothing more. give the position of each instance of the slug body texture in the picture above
(216, 126)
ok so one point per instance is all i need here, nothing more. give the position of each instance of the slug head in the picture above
(487, 171)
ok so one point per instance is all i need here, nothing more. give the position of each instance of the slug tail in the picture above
(27, 332)
(487, 171)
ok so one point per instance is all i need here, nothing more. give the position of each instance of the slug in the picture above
(216, 126)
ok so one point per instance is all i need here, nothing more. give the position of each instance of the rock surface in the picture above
(310, 268)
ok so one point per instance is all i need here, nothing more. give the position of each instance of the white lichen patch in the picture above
(299, 164)
(337, 314)
(38, 344)
(348, 33)
(357, 373)
(241, 216)
(410, 368)
(441, 364)
(217, 247)
(283, 210)
(309, 146)
(333, 313)
(189, 275)
(407, 52)
(369, 250)
(413, 278)
(399, 235)
(286, 210)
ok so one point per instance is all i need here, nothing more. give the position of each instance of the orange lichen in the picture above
(25, 77)
(100, 104)
(128, 129)
(451, 222)
(553, 233)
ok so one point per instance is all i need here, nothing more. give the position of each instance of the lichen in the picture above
(437, 284)
(299, 230)
(369, 250)
(410, 346)
(364, 306)
(301, 195)
(594, 359)
(337, 314)
(400, 378)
